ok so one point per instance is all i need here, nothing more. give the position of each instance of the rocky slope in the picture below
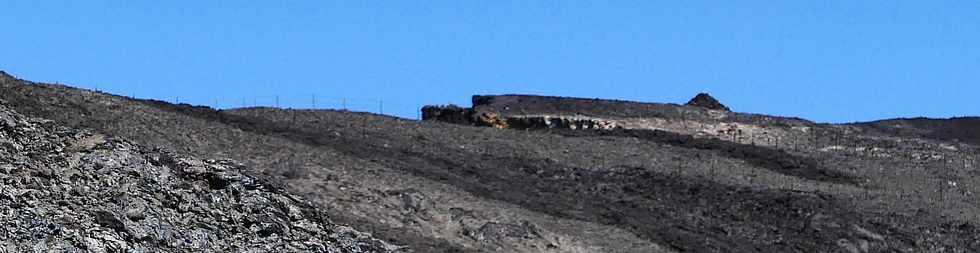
(67, 190)
(921, 169)
(341, 171)
(678, 187)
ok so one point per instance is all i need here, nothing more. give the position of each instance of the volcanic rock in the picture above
(450, 113)
(67, 190)
(707, 101)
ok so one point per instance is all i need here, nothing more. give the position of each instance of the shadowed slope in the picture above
(965, 129)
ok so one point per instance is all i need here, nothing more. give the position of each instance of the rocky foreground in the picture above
(67, 190)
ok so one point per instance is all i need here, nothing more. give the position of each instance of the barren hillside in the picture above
(966, 129)
(575, 175)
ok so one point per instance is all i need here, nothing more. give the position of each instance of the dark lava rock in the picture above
(67, 190)
(109, 220)
(450, 113)
(706, 101)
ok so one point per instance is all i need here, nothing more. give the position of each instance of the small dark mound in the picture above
(706, 101)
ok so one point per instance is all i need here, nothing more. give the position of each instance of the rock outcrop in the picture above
(554, 122)
(449, 113)
(66, 190)
(705, 100)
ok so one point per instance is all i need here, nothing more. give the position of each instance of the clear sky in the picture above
(829, 61)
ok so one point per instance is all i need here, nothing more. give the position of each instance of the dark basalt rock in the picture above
(705, 100)
(109, 220)
(450, 113)
(69, 190)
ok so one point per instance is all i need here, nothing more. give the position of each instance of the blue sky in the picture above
(829, 61)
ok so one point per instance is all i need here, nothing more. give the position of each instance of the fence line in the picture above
(311, 101)
(287, 101)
